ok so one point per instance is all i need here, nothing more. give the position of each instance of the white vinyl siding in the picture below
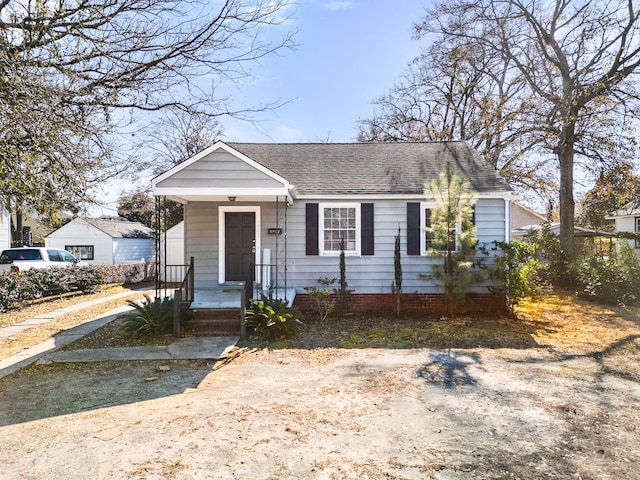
(80, 233)
(365, 274)
(5, 229)
(201, 242)
(220, 169)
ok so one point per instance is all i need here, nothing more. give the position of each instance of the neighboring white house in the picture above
(105, 240)
(5, 229)
(627, 219)
(522, 216)
(288, 205)
(174, 238)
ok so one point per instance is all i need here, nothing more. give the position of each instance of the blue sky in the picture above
(349, 54)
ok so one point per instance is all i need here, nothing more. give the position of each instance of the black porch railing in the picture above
(179, 281)
(172, 277)
(262, 278)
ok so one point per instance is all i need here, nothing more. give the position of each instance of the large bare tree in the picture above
(177, 136)
(73, 71)
(577, 60)
(456, 91)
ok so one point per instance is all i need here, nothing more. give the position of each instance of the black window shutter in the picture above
(413, 228)
(473, 215)
(366, 232)
(312, 229)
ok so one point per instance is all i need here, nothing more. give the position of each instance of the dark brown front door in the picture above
(240, 243)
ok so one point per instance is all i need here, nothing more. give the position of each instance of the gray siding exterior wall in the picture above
(365, 274)
(220, 169)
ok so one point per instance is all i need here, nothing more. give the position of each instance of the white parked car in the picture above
(26, 258)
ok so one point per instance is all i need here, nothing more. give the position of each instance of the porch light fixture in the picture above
(232, 199)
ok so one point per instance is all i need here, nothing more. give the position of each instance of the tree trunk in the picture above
(567, 204)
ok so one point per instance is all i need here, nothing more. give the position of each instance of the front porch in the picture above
(221, 311)
(215, 311)
(229, 295)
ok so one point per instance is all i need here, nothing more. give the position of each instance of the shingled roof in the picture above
(117, 227)
(371, 168)
(631, 209)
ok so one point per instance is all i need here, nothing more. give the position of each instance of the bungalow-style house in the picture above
(274, 214)
(105, 241)
(627, 219)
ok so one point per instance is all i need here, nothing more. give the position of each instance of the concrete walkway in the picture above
(213, 348)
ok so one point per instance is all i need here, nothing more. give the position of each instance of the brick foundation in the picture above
(411, 304)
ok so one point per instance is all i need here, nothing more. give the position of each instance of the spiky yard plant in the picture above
(272, 318)
(149, 317)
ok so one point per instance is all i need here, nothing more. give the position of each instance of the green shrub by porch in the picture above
(272, 319)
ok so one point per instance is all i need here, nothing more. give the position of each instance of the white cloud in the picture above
(335, 6)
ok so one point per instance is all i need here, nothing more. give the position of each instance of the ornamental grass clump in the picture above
(149, 317)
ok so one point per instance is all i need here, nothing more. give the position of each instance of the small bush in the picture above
(515, 272)
(272, 318)
(87, 278)
(150, 317)
(325, 302)
(613, 279)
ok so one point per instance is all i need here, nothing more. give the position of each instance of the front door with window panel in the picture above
(240, 245)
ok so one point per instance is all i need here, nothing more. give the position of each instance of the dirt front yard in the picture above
(327, 413)
(552, 394)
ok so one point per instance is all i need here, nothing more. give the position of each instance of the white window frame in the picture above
(423, 228)
(335, 253)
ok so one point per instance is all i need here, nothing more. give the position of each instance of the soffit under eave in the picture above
(185, 198)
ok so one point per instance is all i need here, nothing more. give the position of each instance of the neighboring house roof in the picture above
(631, 209)
(116, 227)
(555, 229)
(371, 168)
(121, 228)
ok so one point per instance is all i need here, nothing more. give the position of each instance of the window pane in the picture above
(340, 222)
(428, 236)
(81, 252)
(54, 256)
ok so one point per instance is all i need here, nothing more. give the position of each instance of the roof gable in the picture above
(209, 164)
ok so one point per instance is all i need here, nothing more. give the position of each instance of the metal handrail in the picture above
(183, 296)
(259, 271)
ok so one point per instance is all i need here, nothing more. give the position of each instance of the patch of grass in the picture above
(561, 323)
(452, 333)
(569, 324)
(49, 304)
(40, 333)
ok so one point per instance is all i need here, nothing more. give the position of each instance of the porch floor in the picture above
(229, 296)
